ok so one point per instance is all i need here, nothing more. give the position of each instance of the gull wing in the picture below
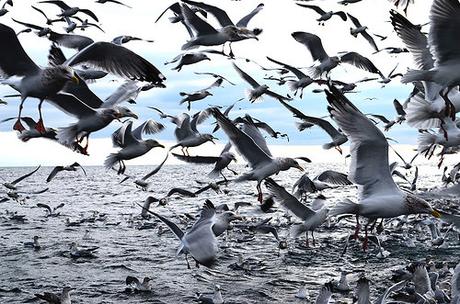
(148, 127)
(200, 26)
(317, 9)
(334, 177)
(246, 77)
(298, 73)
(245, 20)
(117, 60)
(24, 176)
(360, 62)
(313, 44)
(287, 200)
(444, 30)
(245, 145)
(197, 159)
(219, 13)
(369, 165)
(53, 173)
(14, 60)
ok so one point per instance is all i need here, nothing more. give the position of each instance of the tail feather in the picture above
(345, 207)
(111, 160)
(314, 72)
(214, 173)
(303, 125)
(67, 135)
(328, 146)
(417, 75)
(425, 140)
(293, 85)
(420, 114)
(297, 230)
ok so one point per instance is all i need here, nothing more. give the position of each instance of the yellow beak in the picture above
(436, 214)
(75, 79)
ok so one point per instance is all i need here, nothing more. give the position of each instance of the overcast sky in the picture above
(278, 20)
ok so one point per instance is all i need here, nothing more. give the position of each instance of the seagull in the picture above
(187, 134)
(257, 90)
(444, 15)
(215, 76)
(311, 219)
(255, 151)
(119, 40)
(68, 11)
(380, 197)
(199, 241)
(76, 253)
(324, 16)
(112, 1)
(187, 59)
(207, 35)
(138, 285)
(361, 30)
(337, 137)
(50, 212)
(240, 29)
(57, 169)
(4, 10)
(220, 162)
(32, 132)
(131, 143)
(48, 20)
(195, 96)
(12, 185)
(216, 297)
(326, 180)
(325, 294)
(35, 244)
(179, 17)
(315, 46)
(63, 298)
(302, 80)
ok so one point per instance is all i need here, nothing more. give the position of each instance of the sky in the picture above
(278, 20)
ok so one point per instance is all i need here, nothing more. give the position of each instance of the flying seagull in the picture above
(327, 63)
(361, 30)
(379, 195)
(68, 11)
(255, 151)
(324, 16)
(57, 169)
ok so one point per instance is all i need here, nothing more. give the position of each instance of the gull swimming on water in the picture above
(255, 151)
(138, 285)
(380, 197)
(53, 298)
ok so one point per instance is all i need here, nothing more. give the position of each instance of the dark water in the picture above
(274, 276)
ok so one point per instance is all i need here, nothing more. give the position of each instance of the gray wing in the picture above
(313, 7)
(24, 176)
(156, 169)
(456, 284)
(45, 206)
(219, 13)
(174, 228)
(369, 165)
(354, 20)
(245, 145)
(399, 108)
(118, 60)
(370, 40)
(360, 62)
(334, 177)
(200, 26)
(14, 60)
(183, 129)
(53, 173)
(421, 280)
(148, 127)
(287, 200)
(128, 90)
(277, 96)
(123, 137)
(71, 41)
(395, 287)
(59, 3)
(253, 132)
(444, 30)
(70, 105)
(132, 280)
(324, 294)
(363, 292)
(313, 43)
(246, 77)
(245, 20)
(298, 73)
(322, 123)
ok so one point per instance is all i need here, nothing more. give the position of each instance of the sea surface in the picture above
(273, 275)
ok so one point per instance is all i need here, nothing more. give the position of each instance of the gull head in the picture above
(151, 143)
(125, 112)
(209, 137)
(417, 205)
(67, 290)
(202, 56)
(287, 163)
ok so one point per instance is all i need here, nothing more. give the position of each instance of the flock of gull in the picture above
(430, 108)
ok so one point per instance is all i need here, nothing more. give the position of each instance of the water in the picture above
(274, 276)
